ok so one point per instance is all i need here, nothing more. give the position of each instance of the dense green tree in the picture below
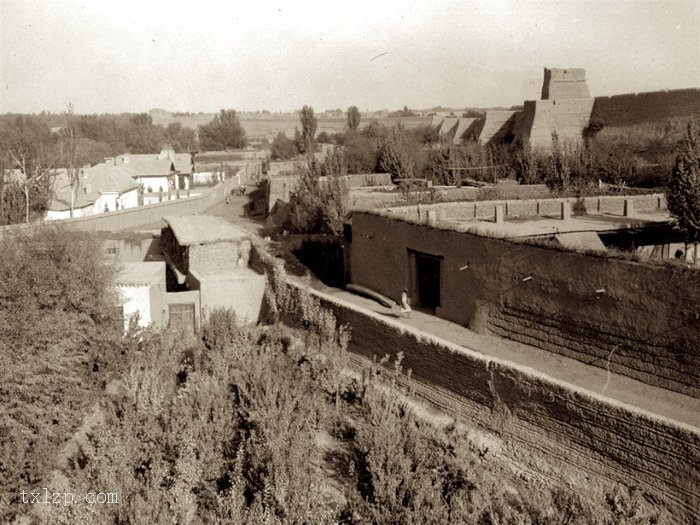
(309, 124)
(324, 138)
(283, 148)
(223, 132)
(353, 118)
(180, 138)
(397, 154)
(361, 154)
(27, 148)
(321, 196)
(684, 190)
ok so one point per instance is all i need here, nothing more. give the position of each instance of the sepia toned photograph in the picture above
(360, 263)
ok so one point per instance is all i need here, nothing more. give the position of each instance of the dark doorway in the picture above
(427, 279)
(181, 316)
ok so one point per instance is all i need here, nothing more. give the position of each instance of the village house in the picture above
(140, 286)
(99, 189)
(164, 172)
(210, 255)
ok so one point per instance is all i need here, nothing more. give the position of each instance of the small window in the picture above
(112, 250)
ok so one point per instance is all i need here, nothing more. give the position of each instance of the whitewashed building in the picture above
(99, 189)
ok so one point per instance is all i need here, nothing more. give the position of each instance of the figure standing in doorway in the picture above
(405, 304)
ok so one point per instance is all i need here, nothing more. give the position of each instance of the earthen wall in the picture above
(638, 320)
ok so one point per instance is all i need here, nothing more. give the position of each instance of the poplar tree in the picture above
(683, 193)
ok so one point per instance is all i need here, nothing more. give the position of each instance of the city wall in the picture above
(637, 108)
(638, 319)
(540, 118)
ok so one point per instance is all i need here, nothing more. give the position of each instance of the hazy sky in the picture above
(279, 55)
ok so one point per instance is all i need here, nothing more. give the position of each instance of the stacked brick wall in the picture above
(639, 319)
(568, 426)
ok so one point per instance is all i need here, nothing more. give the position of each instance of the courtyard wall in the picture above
(640, 320)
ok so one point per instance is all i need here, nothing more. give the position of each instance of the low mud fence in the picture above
(579, 434)
(569, 426)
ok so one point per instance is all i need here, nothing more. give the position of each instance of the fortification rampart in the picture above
(497, 126)
(560, 84)
(541, 118)
(638, 108)
(606, 312)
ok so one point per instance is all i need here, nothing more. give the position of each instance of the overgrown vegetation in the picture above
(684, 190)
(59, 342)
(243, 425)
(320, 202)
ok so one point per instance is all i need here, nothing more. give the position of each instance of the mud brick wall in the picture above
(485, 210)
(568, 426)
(218, 257)
(636, 108)
(122, 220)
(644, 324)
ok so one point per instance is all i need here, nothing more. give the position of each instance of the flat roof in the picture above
(204, 229)
(540, 226)
(141, 273)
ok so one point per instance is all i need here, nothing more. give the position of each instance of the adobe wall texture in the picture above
(219, 257)
(644, 325)
(536, 416)
(242, 292)
(637, 108)
(497, 126)
(281, 187)
(134, 218)
(543, 207)
(540, 118)
(560, 84)
(368, 200)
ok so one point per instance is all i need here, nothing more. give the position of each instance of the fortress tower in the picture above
(562, 84)
(565, 109)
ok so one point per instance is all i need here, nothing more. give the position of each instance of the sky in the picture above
(131, 56)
